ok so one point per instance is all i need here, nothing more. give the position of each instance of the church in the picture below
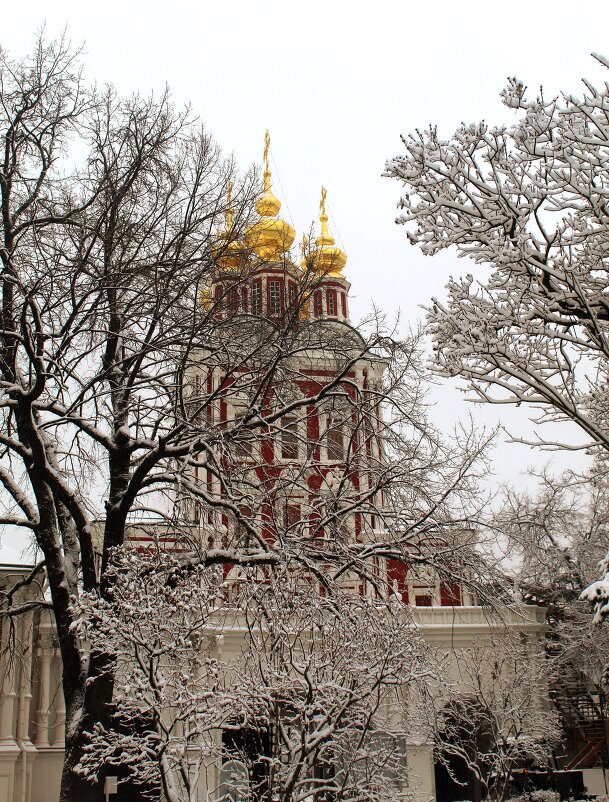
(315, 474)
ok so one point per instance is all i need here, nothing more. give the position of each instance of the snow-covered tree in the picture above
(332, 677)
(108, 238)
(157, 630)
(552, 540)
(302, 695)
(553, 537)
(496, 718)
(527, 204)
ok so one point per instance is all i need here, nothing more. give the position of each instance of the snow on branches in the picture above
(152, 634)
(307, 693)
(497, 717)
(530, 203)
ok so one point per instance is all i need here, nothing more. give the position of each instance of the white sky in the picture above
(336, 83)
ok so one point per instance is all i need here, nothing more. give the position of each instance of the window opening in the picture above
(291, 515)
(292, 294)
(243, 445)
(317, 303)
(274, 297)
(243, 435)
(256, 298)
(233, 299)
(423, 600)
(335, 439)
(331, 302)
(289, 437)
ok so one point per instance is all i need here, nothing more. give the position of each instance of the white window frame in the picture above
(275, 282)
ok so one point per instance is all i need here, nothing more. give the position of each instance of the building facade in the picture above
(294, 479)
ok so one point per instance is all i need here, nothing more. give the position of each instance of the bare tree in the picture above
(101, 268)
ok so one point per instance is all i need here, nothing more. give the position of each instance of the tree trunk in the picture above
(91, 704)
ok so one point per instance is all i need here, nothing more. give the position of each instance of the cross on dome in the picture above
(329, 259)
(271, 236)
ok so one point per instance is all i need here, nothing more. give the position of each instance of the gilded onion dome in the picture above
(271, 236)
(228, 252)
(327, 258)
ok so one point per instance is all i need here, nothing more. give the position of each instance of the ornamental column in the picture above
(8, 677)
(60, 706)
(45, 656)
(8, 695)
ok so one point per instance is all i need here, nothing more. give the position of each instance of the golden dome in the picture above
(327, 258)
(270, 236)
(228, 252)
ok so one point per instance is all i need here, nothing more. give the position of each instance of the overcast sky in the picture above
(336, 83)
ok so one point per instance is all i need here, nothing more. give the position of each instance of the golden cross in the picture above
(267, 142)
(322, 202)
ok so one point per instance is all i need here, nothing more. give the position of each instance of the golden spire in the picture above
(324, 238)
(265, 157)
(270, 236)
(267, 204)
(228, 252)
(328, 258)
(229, 211)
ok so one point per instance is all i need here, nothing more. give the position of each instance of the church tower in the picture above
(274, 285)
(302, 445)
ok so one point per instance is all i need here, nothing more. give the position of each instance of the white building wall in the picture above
(32, 712)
